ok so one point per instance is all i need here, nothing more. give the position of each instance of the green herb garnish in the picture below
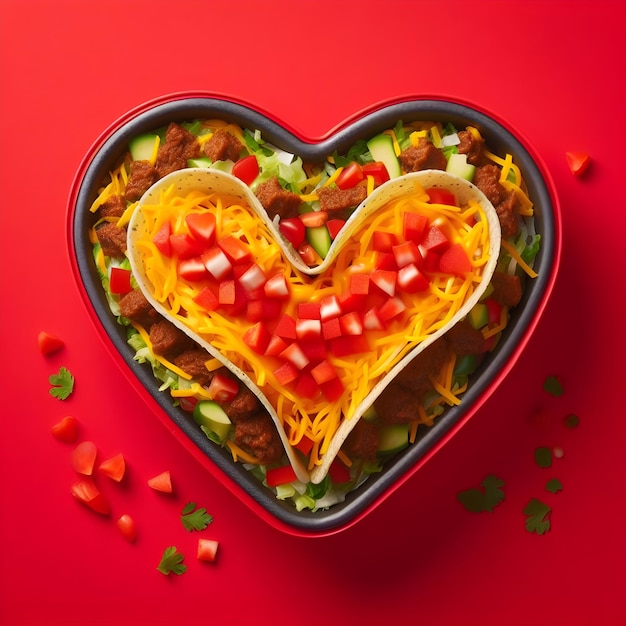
(172, 561)
(486, 499)
(195, 519)
(537, 517)
(62, 384)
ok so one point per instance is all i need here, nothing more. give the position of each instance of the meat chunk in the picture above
(167, 339)
(333, 199)
(244, 406)
(179, 146)
(114, 206)
(362, 442)
(472, 147)
(223, 146)
(258, 436)
(135, 307)
(276, 200)
(142, 176)
(487, 179)
(112, 238)
(463, 338)
(424, 156)
(193, 362)
(507, 289)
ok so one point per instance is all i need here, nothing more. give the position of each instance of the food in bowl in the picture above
(312, 218)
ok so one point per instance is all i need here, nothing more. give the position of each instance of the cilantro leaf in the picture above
(553, 386)
(537, 517)
(554, 485)
(195, 519)
(477, 500)
(172, 561)
(62, 384)
(571, 421)
(543, 456)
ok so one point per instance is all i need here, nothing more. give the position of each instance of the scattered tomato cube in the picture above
(114, 467)
(49, 343)
(66, 430)
(161, 482)
(207, 549)
(119, 281)
(127, 526)
(84, 457)
(86, 492)
(577, 162)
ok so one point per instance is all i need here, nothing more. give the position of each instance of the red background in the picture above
(555, 71)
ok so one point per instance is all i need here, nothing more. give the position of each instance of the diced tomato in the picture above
(441, 196)
(188, 404)
(49, 343)
(349, 344)
(253, 278)
(223, 388)
(275, 345)
(217, 263)
(309, 310)
(207, 299)
(161, 482)
(314, 219)
(280, 475)
(246, 169)
(262, 309)
(383, 241)
(85, 491)
(308, 254)
(114, 467)
(378, 171)
(285, 374)
(338, 472)
(323, 372)
(295, 355)
(286, 327)
(308, 329)
(331, 328)
(407, 253)
(305, 445)
(276, 286)
(257, 337)
(184, 246)
(162, 239)
(329, 307)
(385, 280)
(455, 261)
(494, 311)
(386, 261)
(332, 389)
(127, 526)
(235, 249)
(226, 292)
(207, 548)
(351, 301)
(434, 240)
(293, 230)
(334, 226)
(314, 348)
(411, 279)
(66, 430)
(372, 320)
(351, 323)
(392, 308)
(577, 162)
(431, 261)
(350, 176)
(119, 280)
(202, 227)
(359, 284)
(84, 457)
(414, 226)
(192, 269)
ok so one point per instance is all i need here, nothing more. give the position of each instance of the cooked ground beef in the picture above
(507, 289)
(333, 199)
(112, 238)
(142, 176)
(362, 442)
(135, 306)
(276, 200)
(463, 338)
(258, 436)
(223, 146)
(487, 179)
(168, 340)
(244, 406)
(113, 206)
(472, 147)
(193, 362)
(424, 156)
(179, 146)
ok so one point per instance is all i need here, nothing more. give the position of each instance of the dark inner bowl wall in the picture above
(499, 141)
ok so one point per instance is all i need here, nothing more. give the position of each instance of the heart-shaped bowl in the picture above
(109, 151)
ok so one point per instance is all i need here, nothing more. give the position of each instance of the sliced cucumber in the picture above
(199, 162)
(143, 147)
(458, 165)
(393, 439)
(212, 417)
(381, 148)
(319, 238)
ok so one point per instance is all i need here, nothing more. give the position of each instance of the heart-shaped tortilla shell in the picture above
(212, 181)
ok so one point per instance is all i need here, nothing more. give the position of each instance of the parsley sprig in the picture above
(486, 499)
(194, 518)
(62, 384)
(172, 561)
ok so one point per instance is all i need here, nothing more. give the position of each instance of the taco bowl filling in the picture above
(315, 321)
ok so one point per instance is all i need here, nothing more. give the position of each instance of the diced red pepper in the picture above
(455, 261)
(276, 286)
(192, 269)
(359, 284)
(323, 372)
(392, 308)
(162, 239)
(435, 240)
(329, 307)
(206, 299)
(223, 388)
(331, 328)
(351, 301)
(286, 327)
(308, 328)
(253, 278)
(386, 261)
(378, 171)
(184, 246)
(295, 355)
(280, 476)
(351, 323)
(306, 387)
(372, 320)
(257, 337)
(305, 445)
(119, 282)
(202, 227)
(350, 176)
(275, 346)
(286, 374)
(441, 196)
(262, 309)
(217, 263)
(414, 226)
(314, 348)
(246, 169)
(293, 230)
(334, 226)
(309, 310)
(333, 389)
(407, 253)
(235, 249)
(226, 292)
(412, 280)
(494, 311)
(383, 241)
(349, 344)
(385, 280)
